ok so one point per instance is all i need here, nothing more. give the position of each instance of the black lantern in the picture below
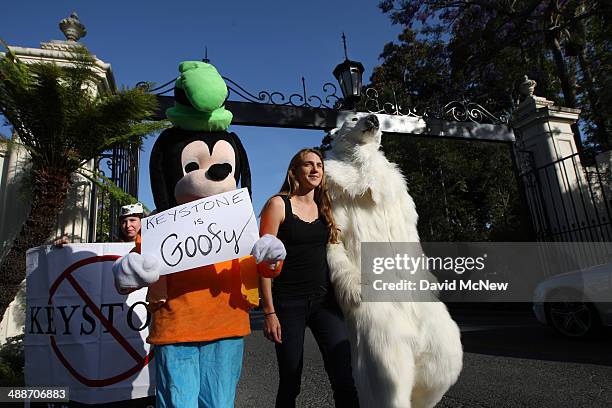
(349, 74)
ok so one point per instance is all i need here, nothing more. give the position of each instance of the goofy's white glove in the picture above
(269, 252)
(134, 271)
(269, 249)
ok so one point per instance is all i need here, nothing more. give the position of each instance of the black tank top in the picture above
(305, 270)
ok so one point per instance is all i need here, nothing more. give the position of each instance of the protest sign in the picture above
(202, 232)
(79, 332)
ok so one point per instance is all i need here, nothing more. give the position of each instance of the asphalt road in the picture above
(510, 361)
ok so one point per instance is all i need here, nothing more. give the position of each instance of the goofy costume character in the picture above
(200, 315)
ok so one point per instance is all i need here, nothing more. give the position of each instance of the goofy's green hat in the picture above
(199, 93)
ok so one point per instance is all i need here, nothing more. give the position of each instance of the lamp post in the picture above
(349, 75)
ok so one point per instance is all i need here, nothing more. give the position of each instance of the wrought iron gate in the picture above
(568, 201)
(119, 165)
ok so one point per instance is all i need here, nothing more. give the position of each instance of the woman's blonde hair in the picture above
(321, 195)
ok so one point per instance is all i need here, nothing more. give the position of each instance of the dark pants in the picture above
(324, 318)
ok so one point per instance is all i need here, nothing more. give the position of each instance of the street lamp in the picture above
(349, 74)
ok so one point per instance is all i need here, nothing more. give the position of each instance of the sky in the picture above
(261, 45)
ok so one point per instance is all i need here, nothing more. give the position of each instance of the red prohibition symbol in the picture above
(140, 361)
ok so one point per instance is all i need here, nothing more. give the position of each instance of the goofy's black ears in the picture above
(157, 172)
(245, 169)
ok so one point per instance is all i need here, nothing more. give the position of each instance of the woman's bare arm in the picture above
(272, 216)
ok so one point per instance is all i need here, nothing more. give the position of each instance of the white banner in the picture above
(79, 331)
(203, 232)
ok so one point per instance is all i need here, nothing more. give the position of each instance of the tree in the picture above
(62, 125)
(563, 44)
(464, 191)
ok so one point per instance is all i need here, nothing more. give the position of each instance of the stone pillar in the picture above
(559, 195)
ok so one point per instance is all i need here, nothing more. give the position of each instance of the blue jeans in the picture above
(200, 374)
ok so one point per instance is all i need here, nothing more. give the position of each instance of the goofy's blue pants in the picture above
(198, 375)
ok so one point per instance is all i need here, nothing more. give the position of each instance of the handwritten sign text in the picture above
(203, 232)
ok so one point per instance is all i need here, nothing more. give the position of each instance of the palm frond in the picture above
(136, 133)
(60, 116)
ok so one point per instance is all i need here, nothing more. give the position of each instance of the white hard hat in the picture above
(131, 209)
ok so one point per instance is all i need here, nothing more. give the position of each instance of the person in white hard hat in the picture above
(129, 220)
(129, 225)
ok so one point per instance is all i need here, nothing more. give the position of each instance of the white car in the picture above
(576, 304)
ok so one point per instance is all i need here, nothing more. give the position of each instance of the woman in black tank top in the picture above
(302, 295)
(305, 270)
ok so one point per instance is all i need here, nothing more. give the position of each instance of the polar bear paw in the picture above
(348, 290)
(353, 298)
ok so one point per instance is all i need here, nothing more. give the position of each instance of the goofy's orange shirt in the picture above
(202, 304)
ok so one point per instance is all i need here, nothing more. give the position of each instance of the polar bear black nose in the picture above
(218, 172)
(372, 122)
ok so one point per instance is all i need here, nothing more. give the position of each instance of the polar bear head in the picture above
(355, 133)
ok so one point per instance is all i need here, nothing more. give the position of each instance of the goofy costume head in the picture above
(200, 315)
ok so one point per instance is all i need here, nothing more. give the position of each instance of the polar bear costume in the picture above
(404, 353)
